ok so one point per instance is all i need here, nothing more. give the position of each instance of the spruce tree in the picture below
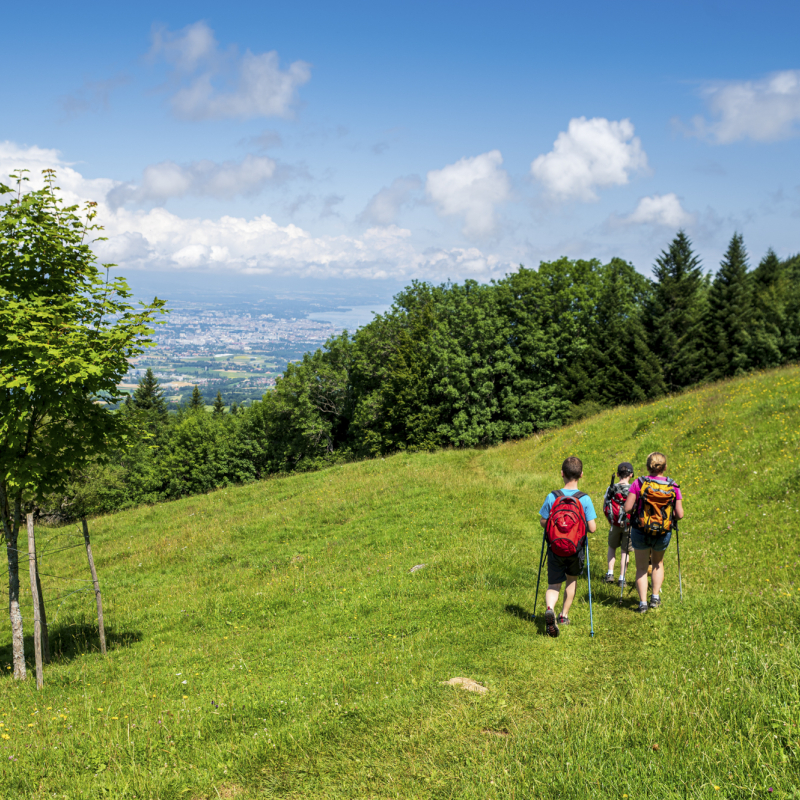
(675, 313)
(770, 293)
(196, 403)
(234, 408)
(219, 406)
(790, 336)
(729, 315)
(625, 369)
(148, 395)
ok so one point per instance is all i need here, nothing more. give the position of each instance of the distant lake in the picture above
(353, 318)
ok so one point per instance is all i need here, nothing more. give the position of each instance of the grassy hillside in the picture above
(270, 641)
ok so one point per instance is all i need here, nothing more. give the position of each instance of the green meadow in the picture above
(272, 640)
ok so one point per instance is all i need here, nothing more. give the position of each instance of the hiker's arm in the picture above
(679, 509)
(542, 521)
(591, 525)
(630, 502)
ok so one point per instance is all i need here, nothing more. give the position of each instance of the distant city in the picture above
(238, 347)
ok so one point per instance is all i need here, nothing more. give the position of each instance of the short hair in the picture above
(656, 463)
(572, 468)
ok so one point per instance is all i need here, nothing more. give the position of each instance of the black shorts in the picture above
(558, 567)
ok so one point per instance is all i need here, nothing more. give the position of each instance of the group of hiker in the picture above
(643, 514)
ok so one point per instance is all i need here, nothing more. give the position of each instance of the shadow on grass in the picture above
(526, 616)
(71, 641)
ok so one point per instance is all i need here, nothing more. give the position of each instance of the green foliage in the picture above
(729, 315)
(313, 659)
(219, 405)
(675, 314)
(66, 334)
(196, 403)
(148, 395)
(461, 365)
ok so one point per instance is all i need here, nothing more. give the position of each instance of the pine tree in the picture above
(729, 315)
(675, 313)
(196, 403)
(219, 406)
(148, 396)
(770, 293)
(234, 408)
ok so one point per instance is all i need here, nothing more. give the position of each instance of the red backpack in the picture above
(613, 505)
(566, 526)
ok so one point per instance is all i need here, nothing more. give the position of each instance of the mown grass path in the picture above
(270, 641)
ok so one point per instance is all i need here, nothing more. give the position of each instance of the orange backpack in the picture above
(656, 507)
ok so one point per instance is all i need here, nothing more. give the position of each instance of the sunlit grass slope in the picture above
(270, 641)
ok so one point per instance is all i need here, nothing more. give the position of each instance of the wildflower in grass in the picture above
(99, 709)
(6, 736)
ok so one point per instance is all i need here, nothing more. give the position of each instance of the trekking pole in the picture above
(589, 578)
(624, 559)
(539, 575)
(678, 543)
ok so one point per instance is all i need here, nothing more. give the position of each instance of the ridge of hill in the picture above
(272, 640)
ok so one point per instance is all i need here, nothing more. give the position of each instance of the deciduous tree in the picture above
(66, 334)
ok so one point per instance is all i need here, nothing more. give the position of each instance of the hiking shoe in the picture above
(655, 602)
(642, 608)
(550, 624)
(609, 578)
(621, 583)
(562, 620)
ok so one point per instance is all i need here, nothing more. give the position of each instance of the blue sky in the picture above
(383, 142)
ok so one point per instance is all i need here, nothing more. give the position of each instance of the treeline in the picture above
(472, 364)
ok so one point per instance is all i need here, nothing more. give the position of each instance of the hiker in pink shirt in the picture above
(657, 504)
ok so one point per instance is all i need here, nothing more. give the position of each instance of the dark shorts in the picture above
(644, 541)
(558, 567)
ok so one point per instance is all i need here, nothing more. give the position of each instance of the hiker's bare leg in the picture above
(658, 571)
(551, 595)
(612, 558)
(569, 593)
(623, 563)
(642, 562)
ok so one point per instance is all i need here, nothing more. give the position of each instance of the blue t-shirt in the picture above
(586, 502)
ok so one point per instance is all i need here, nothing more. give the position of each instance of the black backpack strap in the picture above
(578, 495)
(558, 493)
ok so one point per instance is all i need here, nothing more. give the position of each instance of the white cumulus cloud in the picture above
(166, 180)
(660, 209)
(383, 207)
(214, 85)
(156, 239)
(591, 154)
(765, 110)
(471, 188)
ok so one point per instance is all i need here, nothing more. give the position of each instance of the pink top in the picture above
(636, 486)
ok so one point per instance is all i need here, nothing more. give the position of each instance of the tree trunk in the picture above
(96, 588)
(11, 532)
(37, 625)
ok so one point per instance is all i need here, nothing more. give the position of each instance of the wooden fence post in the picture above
(43, 619)
(37, 625)
(96, 587)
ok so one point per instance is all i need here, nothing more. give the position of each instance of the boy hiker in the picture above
(566, 516)
(619, 534)
(657, 505)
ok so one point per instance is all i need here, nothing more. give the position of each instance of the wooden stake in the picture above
(96, 587)
(37, 624)
(43, 618)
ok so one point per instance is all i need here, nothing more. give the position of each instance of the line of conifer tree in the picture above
(468, 365)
